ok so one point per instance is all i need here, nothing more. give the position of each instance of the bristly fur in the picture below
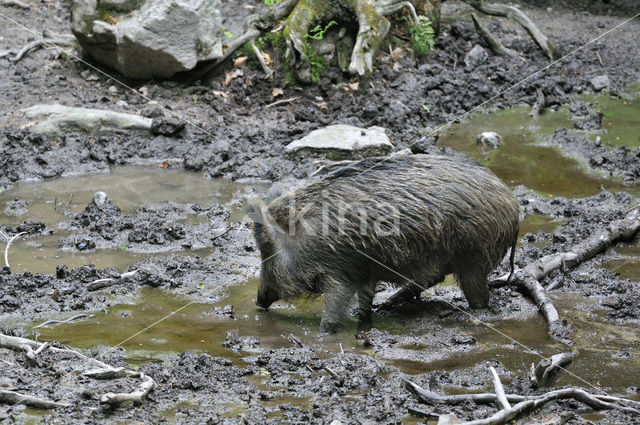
(453, 217)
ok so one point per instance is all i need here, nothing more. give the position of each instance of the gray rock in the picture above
(600, 82)
(343, 141)
(148, 38)
(489, 139)
(476, 56)
(55, 120)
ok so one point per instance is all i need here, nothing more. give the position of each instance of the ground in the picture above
(188, 247)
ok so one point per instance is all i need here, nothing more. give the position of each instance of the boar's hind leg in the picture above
(473, 281)
(337, 295)
(365, 302)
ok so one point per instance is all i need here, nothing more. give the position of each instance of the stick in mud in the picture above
(12, 397)
(524, 403)
(493, 43)
(528, 279)
(59, 322)
(9, 242)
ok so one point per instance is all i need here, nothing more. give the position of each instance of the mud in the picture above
(217, 358)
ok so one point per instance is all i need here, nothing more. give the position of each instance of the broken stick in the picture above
(493, 43)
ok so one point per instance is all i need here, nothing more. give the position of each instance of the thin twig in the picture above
(16, 3)
(280, 102)
(59, 322)
(267, 71)
(52, 42)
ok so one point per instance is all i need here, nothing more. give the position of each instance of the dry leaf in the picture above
(267, 58)
(321, 105)
(277, 92)
(234, 73)
(164, 164)
(222, 94)
(240, 61)
(352, 86)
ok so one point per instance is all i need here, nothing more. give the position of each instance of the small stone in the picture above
(100, 198)
(113, 90)
(600, 82)
(489, 139)
(476, 56)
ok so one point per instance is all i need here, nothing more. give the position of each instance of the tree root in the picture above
(254, 27)
(104, 371)
(523, 403)
(43, 42)
(528, 279)
(493, 43)
(9, 242)
(517, 15)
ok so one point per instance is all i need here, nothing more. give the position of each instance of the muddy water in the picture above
(621, 119)
(200, 326)
(129, 187)
(519, 160)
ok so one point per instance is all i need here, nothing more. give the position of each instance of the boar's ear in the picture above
(265, 228)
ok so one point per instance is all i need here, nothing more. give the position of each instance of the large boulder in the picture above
(148, 38)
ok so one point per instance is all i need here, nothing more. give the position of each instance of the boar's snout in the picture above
(266, 297)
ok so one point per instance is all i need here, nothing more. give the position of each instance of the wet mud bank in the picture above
(183, 313)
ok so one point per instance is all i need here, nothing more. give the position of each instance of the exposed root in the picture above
(255, 26)
(529, 278)
(493, 43)
(59, 322)
(517, 15)
(16, 3)
(373, 28)
(9, 242)
(12, 397)
(43, 42)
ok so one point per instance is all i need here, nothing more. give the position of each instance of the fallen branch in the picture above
(594, 401)
(9, 242)
(12, 397)
(503, 403)
(16, 3)
(46, 42)
(59, 322)
(518, 16)
(544, 371)
(529, 278)
(105, 283)
(281, 102)
(137, 395)
(493, 43)
(21, 344)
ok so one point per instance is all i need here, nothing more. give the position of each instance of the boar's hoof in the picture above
(328, 328)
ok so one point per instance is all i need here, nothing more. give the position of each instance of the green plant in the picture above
(422, 37)
(317, 33)
(271, 2)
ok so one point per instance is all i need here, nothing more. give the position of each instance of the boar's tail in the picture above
(512, 256)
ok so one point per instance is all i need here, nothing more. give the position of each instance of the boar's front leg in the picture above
(337, 295)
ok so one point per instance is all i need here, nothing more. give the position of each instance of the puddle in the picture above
(625, 261)
(519, 160)
(621, 119)
(129, 187)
